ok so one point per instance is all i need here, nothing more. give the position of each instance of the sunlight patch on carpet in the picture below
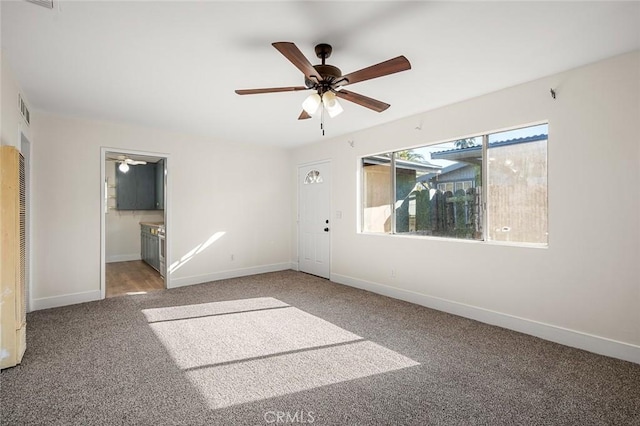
(211, 340)
(239, 383)
(247, 350)
(215, 308)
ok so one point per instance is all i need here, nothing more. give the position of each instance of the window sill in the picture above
(459, 240)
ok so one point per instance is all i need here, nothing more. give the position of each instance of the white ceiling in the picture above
(175, 65)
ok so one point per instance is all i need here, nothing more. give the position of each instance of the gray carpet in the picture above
(287, 347)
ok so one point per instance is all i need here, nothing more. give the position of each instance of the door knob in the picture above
(326, 229)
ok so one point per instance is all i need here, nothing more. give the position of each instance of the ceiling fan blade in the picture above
(134, 162)
(379, 70)
(270, 90)
(304, 115)
(365, 101)
(295, 56)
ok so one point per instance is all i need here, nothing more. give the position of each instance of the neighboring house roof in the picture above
(422, 165)
(448, 169)
(473, 154)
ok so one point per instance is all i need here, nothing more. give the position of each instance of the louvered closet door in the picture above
(21, 302)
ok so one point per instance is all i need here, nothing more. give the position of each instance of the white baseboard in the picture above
(64, 300)
(294, 266)
(564, 336)
(232, 273)
(123, 258)
(90, 296)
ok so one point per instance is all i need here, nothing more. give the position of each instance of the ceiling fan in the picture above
(327, 81)
(125, 162)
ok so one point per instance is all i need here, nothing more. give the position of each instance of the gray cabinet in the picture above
(139, 189)
(125, 189)
(149, 245)
(145, 186)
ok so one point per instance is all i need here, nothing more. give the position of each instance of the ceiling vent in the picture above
(44, 3)
(24, 111)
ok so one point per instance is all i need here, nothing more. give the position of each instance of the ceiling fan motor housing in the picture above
(328, 74)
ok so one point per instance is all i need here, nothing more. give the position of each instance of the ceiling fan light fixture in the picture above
(124, 167)
(312, 103)
(330, 102)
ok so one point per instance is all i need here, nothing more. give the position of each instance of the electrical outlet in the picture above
(393, 273)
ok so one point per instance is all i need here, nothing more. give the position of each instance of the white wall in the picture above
(584, 289)
(11, 122)
(122, 227)
(215, 186)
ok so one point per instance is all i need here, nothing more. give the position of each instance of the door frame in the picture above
(299, 186)
(103, 207)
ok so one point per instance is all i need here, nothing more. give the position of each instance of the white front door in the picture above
(314, 224)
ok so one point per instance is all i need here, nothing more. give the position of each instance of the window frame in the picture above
(484, 195)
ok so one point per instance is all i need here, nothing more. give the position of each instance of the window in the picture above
(517, 186)
(376, 197)
(313, 177)
(437, 190)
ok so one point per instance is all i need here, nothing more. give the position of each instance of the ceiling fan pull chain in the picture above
(322, 117)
